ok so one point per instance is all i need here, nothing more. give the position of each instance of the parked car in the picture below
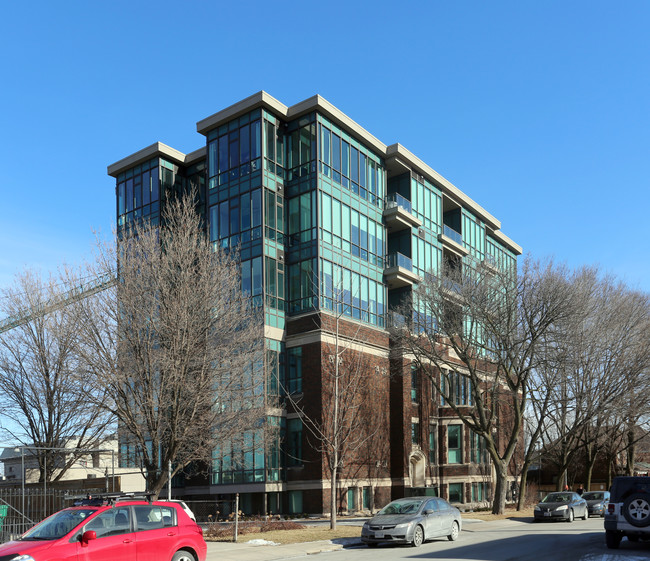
(412, 521)
(120, 527)
(597, 502)
(628, 511)
(563, 505)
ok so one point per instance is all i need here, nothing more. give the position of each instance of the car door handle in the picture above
(127, 541)
(171, 533)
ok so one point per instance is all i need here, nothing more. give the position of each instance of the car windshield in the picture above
(59, 524)
(404, 506)
(557, 498)
(593, 496)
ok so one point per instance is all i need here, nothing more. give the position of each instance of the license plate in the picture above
(379, 534)
(547, 514)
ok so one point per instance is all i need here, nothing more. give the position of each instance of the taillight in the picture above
(611, 508)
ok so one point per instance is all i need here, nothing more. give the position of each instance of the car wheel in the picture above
(453, 536)
(418, 536)
(636, 509)
(183, 555)
(612, 539)
(570, 516)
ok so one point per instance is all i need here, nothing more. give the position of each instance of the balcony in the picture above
(399, 271)
(398, 214)
(453, 240)
(490, 264)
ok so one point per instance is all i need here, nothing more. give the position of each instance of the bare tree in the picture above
(492, 329)
(344, 426)
(46, 404)
(599, 368)
(176, 344)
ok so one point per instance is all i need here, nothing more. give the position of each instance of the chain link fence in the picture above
(210, 511)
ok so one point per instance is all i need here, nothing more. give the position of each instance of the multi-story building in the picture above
(329, 221)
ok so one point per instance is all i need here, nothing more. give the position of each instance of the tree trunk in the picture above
(156, 480)
(589, 470)
(501, 487)
(631, 452)
(333, 497)
(563, 479)
(523, 482)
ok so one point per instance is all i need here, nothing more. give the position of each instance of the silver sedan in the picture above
(412, 521)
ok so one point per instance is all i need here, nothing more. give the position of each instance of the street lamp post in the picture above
(22, 477)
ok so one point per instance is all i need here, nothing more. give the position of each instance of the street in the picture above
(515, 540)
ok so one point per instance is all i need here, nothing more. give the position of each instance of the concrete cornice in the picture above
(396, 154)
(448, 188)
(259, 99)
(321, 105)
(505, 240)
(154, 150)
(195, 156)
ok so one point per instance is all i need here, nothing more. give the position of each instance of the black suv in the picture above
(628, 511)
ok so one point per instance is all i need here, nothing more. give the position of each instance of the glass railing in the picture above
(452, 285)
(491, 260)
(399, 260)
(396, 200)
(451, 233)
(396, 320)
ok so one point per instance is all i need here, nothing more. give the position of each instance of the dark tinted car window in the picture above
(150, 517)
(111, 522)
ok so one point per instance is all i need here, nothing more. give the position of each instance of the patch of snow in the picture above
(261, 542)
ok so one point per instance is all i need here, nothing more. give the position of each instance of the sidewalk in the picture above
(243, 551)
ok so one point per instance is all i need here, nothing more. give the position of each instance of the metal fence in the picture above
(19, 512)
(207, 511)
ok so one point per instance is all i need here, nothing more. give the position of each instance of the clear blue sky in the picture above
(539, 111)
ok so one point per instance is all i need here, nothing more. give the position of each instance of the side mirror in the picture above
(428, 511)
(87, 536)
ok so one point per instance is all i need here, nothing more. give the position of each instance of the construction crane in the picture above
(83, 290)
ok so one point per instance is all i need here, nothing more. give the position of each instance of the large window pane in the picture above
(305, 211)
(257, 276)
(454, 448)
(256, 139)
(256, 197)
(244, 144)
(223, 153)
(345, 158)
(336, 152)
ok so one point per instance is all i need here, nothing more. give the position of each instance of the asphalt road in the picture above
(512, 540)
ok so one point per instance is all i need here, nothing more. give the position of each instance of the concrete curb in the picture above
(243, 551)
